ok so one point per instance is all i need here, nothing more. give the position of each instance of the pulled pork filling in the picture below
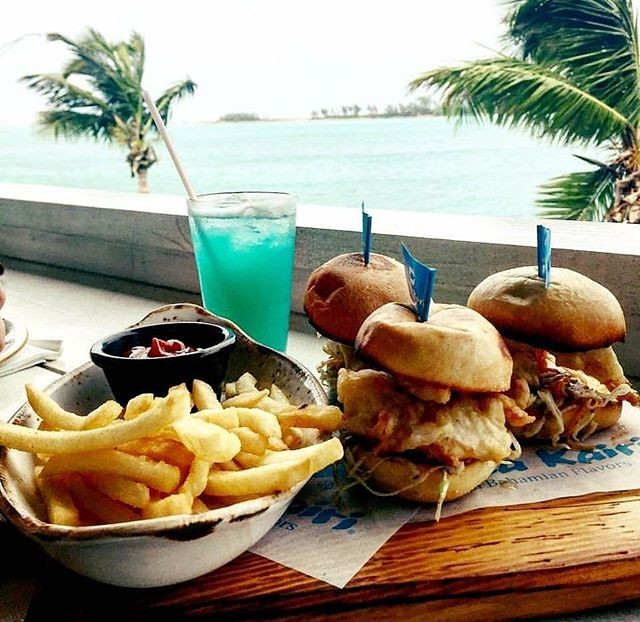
(563, 402)
(467, 427)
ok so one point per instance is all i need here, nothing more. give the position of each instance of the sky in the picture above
(275, 58)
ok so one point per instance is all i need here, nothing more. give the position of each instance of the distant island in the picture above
(234, 117)
(423, 106)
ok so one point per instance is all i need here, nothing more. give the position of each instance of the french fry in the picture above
(129, 492)
(61, 509)
(320, 455)
(57, 418)
(157, 475)
(276, 444)
(323, 418)
(295, 438)
(198, 506)
(245, 400)
(170, 409)
(50, 412)
(247, 460)
(246, 383)
(224, 418)
(273, 406)
(180, 503)
(221, 502)
(137, 405)
(228, 466)
(162, 449)
(196, 480)
(207, 441)
(204, 396)
(94, 502)
(259, 421)
(277, 394)
(251, 441)
(230, 390)
(263, 480)
(102, 416)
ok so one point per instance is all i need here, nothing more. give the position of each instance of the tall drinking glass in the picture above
(244, 245)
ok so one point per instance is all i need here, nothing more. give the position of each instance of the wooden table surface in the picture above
(553, 558)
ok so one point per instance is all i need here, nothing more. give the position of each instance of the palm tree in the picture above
(98, 94)
(573, 77)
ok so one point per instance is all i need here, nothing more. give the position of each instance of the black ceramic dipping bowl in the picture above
(129, 377)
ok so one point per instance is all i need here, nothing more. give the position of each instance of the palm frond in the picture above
(111, 71)
(517, 93)
(138, 54)
(74, 124)
(62, 93)
(165, 102)
(594, 43)
(584, 195)
(100, 63)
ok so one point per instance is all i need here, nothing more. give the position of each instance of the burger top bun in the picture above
(341, 293)
(456, 348)
(574, 313)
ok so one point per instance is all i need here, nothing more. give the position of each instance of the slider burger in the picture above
(426, 420)
(565, 375)
(339, 296)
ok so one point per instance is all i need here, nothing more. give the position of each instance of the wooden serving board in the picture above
(556, 557)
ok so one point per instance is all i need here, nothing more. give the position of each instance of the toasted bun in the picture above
(397, 474)
(604, 417)
(573, 313)
(607, 416)
(341, 293)
(456, 348)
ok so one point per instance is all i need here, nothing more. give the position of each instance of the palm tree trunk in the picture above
(143, 185)
(626, 202)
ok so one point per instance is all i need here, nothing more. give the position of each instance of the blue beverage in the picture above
(244, 253)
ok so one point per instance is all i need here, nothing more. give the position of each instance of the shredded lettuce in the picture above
(556, 430)
(444, 489)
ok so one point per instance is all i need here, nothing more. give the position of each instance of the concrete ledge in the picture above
(145, 240)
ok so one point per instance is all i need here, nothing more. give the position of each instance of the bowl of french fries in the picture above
(164, 488)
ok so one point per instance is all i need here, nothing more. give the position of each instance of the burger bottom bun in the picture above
(396, 474)
(605, 417)
(608, 415)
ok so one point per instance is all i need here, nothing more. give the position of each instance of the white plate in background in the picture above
(15, 339)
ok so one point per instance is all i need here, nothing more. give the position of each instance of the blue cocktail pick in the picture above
(544, 254)
(421, 280)
(366, 235)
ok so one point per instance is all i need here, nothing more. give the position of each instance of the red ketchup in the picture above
(159, 348)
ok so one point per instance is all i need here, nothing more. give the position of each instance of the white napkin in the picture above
(35, 352)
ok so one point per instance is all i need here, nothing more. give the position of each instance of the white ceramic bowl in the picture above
(149, 553)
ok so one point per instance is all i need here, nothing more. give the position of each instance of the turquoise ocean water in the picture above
(425, 164)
